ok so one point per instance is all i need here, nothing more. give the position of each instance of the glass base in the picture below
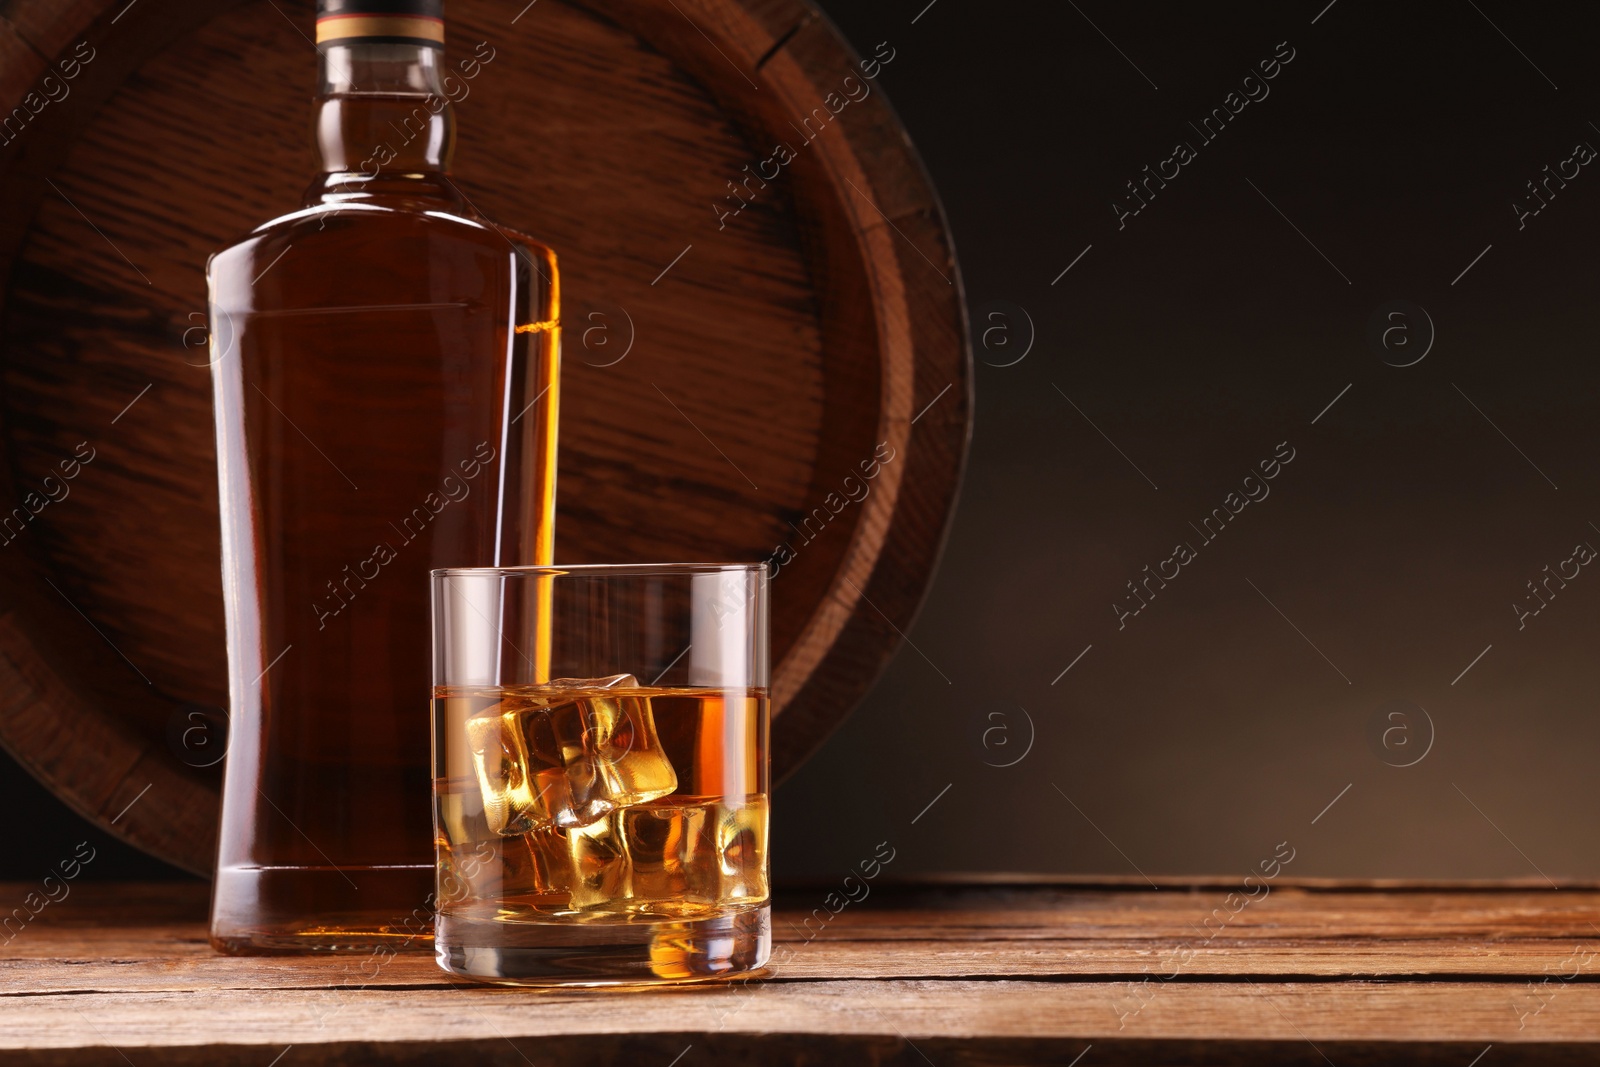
(271, 911)
(733, 944)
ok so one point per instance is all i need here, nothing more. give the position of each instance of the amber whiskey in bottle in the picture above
(385, 365)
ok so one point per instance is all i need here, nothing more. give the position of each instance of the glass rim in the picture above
(601, 570)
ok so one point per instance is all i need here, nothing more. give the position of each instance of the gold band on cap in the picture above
(415, 27)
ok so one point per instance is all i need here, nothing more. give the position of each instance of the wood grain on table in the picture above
(942, 974)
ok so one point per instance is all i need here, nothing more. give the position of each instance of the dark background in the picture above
(1121, 401)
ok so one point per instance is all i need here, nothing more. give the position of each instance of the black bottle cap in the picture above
(401, 21)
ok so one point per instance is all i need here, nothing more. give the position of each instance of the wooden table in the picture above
(947, 974)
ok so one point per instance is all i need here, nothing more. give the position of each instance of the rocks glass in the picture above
(601, 772)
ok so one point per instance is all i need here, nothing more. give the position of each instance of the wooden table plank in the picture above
(911, 1010)
(127, 968)
(893, 911)
(992, 974)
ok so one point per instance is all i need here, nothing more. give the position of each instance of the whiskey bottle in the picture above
(385, 365)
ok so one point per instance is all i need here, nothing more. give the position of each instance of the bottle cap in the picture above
(398, 21)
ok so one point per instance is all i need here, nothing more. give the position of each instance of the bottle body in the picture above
(385, 370)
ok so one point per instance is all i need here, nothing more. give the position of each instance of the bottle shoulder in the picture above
(317, 221)
(360, 253)
(336, 223)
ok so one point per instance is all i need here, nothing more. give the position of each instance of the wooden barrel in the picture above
(766, 351)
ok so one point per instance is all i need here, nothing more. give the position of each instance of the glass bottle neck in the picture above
(383, 121)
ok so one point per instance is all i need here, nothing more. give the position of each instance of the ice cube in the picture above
(673, 853)
(567, 753)
(508, 799)
(601, 870)
(670, 858)
(742, 849)
(536, 868)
